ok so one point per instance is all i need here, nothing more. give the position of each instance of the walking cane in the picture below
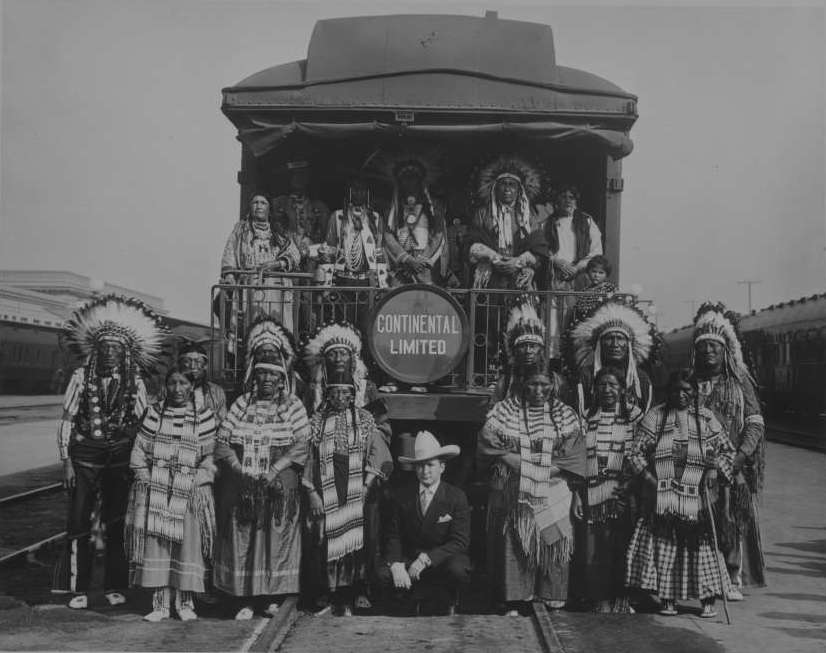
(720, 569)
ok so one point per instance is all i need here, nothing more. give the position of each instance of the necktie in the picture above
(424, 500)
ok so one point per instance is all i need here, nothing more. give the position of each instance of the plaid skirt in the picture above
(658, 562)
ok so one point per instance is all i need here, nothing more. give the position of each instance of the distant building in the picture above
(34, 304)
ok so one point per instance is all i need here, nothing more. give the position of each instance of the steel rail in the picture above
(32, 547)
(547, 633)
(12, 498)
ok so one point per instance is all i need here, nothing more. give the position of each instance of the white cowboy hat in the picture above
(427, 448)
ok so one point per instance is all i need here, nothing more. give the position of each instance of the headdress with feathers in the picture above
(715, 322)
(508, 166)
(126, 320)
(327, 337)
(613, 316)
(523, 325)
(425, 163)
(141, 333)
(266, 331)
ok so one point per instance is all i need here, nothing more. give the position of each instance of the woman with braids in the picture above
(193, 361)
(347, 454)
(682, 454)
(258, 244)
(170, 523)
(261, 451)
(537, 456)
(605, 523)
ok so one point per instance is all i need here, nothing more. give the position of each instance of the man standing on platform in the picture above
(118, 339)
(304, 217)
(728, 389)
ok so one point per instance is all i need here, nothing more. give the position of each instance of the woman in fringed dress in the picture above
(604, 526)
(537, 453)
(347, 454)
(170, 523)
(261, 451)
(682, 454)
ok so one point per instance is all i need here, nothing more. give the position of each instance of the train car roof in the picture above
(803, 313)
(794, 315)
(433, 74)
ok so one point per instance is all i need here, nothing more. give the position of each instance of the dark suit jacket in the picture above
(409, 532)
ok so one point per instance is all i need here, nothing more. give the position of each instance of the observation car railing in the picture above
(295, 300)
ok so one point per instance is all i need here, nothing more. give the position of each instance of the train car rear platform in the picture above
(788, 615)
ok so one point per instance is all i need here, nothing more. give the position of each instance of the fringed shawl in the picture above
(679, 498)
(335, 433)
(549, 441)
(259, 433)
(608, 437)
(173, 444)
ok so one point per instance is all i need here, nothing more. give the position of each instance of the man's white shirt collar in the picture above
(430, 489)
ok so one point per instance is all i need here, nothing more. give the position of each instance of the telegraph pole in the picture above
(749, 283)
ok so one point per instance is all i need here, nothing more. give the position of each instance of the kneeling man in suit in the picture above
(428, 533)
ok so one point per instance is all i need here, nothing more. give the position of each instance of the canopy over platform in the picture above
(431, 75)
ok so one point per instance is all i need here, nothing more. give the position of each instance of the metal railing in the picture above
(301, 306)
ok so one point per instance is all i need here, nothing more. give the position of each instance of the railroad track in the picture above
(291, 630)
(31, 520)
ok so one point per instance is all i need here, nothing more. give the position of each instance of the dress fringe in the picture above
(537, 553)
(205, 511)
(135, 523)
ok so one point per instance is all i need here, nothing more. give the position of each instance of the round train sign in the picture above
(418, 333)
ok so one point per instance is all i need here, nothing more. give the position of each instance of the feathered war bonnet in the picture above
(523, 325)
(125, 320)
(266, 332)
(714, 322)
(327, 338)
(614, 316)
(508, 166)
(425, 163)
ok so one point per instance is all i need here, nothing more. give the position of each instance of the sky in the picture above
(117, 162)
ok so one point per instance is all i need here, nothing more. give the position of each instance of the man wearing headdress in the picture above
(498, 241)
(192, 360)
(615, 335)
(524, 346)
(335, 351)
(727, 388)
(352, 251)
(336, 348)
(305, 217)
(118, 339)
(415, 234)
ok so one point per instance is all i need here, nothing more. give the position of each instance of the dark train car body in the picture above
(464, 88)
(787, 344)
(33, 360)
(458, 85)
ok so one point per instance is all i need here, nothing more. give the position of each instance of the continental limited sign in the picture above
(418, 334)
